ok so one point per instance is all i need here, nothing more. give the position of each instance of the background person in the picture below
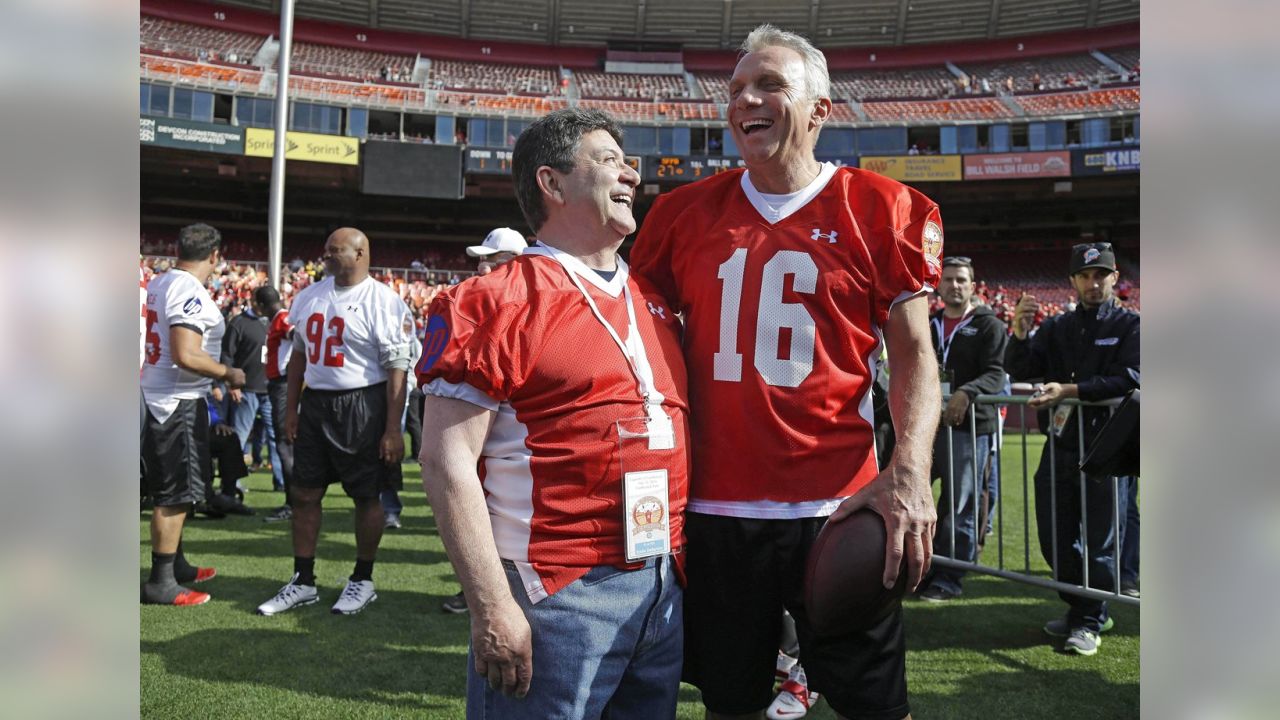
(184, 332)
(1091, 353)
(969, 342)
(352, 345)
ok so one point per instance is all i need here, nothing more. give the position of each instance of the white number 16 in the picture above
(771, 316)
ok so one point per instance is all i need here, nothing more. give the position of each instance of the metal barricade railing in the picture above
(1026, 575)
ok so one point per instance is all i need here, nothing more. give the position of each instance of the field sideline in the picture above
(982, 655)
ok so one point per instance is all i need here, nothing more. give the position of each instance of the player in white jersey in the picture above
(352, 344)
(183, 335)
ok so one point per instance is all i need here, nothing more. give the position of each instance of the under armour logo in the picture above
(831, 236)
(658, 310)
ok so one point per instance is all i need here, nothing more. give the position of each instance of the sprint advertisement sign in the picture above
(304, 146)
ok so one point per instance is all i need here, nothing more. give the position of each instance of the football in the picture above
(843, 591)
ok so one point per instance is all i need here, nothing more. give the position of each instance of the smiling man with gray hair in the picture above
(789, 275)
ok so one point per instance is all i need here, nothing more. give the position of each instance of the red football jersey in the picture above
(279, 346)
(523, 341)
(783, 324)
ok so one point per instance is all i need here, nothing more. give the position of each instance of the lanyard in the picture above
(633, 348)
(944, 341)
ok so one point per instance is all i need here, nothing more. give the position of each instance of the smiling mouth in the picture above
(750, 126)
(622, 199)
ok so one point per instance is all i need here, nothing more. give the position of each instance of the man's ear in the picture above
(551, 183)
(821, 112)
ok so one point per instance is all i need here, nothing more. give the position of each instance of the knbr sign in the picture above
(1106, 162)
(1017, 165)
(304, 146)
(918, 168)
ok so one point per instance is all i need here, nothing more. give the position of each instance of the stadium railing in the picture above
(1025, 574)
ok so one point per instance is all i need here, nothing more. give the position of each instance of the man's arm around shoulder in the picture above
(453, 434)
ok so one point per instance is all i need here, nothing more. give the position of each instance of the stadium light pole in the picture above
(275, 209)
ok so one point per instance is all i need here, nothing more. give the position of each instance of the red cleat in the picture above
(203, 574)
(191, 597)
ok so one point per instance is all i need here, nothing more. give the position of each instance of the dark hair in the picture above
(552, 141)
(195, 242)
(959, 261)
(266, 296)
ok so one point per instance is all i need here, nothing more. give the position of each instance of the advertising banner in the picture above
(1017, 165)
(1106, 162)
(311, 147)
(188, 135)
(918, 168)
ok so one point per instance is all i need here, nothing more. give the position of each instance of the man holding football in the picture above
(791, 275)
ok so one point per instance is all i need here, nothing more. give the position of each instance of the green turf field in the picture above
(981, 656)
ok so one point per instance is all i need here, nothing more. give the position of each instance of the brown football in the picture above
(843, 591)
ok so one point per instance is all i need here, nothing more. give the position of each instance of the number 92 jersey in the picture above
(348, 335)
(783, 323)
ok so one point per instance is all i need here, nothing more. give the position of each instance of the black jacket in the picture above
(242, 348)
(975, 358)
(1097, 350)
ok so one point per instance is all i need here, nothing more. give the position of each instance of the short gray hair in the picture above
(817, 80)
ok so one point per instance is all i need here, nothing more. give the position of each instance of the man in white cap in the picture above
(498, 247)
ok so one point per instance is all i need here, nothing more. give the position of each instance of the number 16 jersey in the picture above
(784, 299)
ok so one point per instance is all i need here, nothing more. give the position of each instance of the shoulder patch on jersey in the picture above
(192, 306)
(434, 341)
(931, 243)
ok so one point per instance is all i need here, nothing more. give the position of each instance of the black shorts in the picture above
(339, 432)
(741, 574)
(175, 454)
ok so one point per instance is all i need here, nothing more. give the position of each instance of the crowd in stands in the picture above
(197, 42)
(350, 64)
(594, 84)
(1078, 82)
(493, 77)
(232, 283)
(933, 82)
(1044, 74)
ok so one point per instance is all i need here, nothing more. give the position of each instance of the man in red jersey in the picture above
(555, 448)
(279, 348)
(791, 275)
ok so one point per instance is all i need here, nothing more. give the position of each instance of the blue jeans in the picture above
(963, 510)
(391, 501)
(993, 486)
(1129, 537)
(1102, 533)
(242, 417)
(610, 644)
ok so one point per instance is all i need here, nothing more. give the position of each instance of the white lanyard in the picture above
(633, 349)
(944, 341)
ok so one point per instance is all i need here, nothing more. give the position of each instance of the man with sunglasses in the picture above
(969, 341)
(1090, 353)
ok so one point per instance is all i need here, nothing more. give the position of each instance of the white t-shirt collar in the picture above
(776, 208)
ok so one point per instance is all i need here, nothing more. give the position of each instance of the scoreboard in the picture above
(688, 168)
(485, 161)
(493, 161)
